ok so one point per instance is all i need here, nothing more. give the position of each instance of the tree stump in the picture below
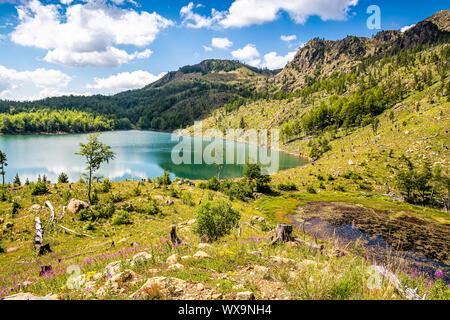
(283, 234)
(173, 236)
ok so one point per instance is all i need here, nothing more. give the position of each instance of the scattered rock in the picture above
(142, 256)
(217, 296)
(350, 162)
(160, 286)
(36, 207)
(204, 246)
(113, 268)
(2, 220)
(76, 205)
(191, 222)
(176, 266)
(29, 296)
(247, 295)
(169, 202)
(202, 255)
(159, 198)
(184, 258)
(9, 225)
(11, 250)
(173, 259)
(281, 260)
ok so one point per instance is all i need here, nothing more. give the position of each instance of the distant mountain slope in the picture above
(319, 59)
(172, 102)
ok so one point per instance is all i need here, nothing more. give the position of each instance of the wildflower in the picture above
(439, 274)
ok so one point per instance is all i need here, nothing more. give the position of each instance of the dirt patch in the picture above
(403, 233)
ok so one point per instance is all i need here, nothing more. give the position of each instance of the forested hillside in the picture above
(173, 102)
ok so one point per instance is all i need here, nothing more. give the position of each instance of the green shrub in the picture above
(173, 193)
(115, 198)
(15, 208)
(17, 182)
(106, 185)
(39, 188)
(121, 217)
(290, 186)
(63, 178)
(66, 195)
(187, 199)
(137, 191)
(310, 189)
(151, 208)
(237, 190)
(215, 219)
(164, 180)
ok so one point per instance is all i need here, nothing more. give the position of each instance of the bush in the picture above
(151, 208)
(17, 182)
(237, 190)
(173, 193)
(39, 188)
(106, 185)
(2, 249)
(63, 178)
(121, 217)
(187, 199)
(310, 189)
(116, 198)
(290, 186)
(137, 191)
(15, 208)
(215, 219)
(164, 180)
(96, 213)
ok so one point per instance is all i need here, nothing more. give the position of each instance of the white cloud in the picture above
(194, 20)
(406, 28)
(244, 13)
(126, 80)
(32, 85)
(247, 54)
(250, 55)
(288, 38)
(86, 34)
(247, 12)
(273, 61)
(221, 43)
(207, 48)
(39, 77)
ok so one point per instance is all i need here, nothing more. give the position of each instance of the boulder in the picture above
(202, 255)
(76, 205)
(142, 256)
(281, 260)
(173, 259)
(246, 295)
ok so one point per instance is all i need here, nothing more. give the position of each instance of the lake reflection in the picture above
(139, 155)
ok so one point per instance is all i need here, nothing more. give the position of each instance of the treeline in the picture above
(48, 121)
(175, 105)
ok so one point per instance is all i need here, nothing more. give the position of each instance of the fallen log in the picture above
(63, 214)
(52, 212)
(74, 232)
(428, 138)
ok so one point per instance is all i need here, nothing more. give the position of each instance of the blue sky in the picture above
(50, 48)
